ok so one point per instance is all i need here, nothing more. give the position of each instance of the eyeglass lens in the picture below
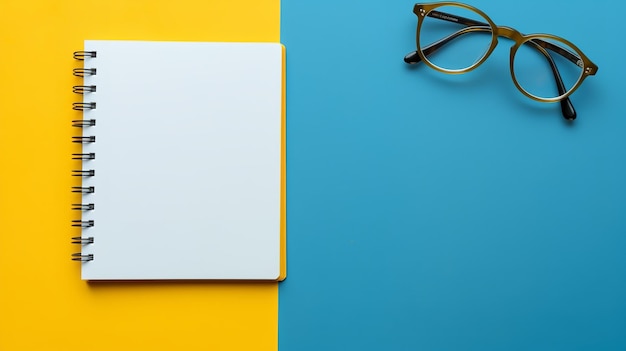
(532, 66)
(465, 45)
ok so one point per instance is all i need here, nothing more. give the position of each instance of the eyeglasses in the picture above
(456, 38)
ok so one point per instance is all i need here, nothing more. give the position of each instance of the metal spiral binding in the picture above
(84, 139)
(81, 55)
(81, 89)
(83, 173)
(86, 156)
(84, 189)
(83, 207)
(83, 155)
(83, 224)
(81, 72)
(82, 106)
(82, 123)
(80, 257)
(80, 240)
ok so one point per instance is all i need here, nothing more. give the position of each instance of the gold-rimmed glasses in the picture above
(456, 38)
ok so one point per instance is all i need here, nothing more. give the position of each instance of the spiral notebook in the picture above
(183, 161)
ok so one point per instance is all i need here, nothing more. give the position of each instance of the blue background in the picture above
(435, 212)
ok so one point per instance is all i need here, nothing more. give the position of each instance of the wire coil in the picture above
(82, 106)
(81, 89)
(83, 224)
(83, 207)
(81, 55)
(83, 173)
(82, 123)
(84, 189)
(82, 72)
(86, 156)
(83, 258)
(80, 240)
(84, 140)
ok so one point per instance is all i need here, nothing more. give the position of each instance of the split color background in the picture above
(425, 212)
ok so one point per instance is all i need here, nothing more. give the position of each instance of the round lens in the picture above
(547, 68)
(454, 38)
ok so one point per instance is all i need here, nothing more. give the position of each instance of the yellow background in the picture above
(43, 303)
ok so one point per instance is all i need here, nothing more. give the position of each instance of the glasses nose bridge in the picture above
(510, 33)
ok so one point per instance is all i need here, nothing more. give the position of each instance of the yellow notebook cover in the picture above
(44, 304)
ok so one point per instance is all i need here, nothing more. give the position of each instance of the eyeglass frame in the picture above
(422, 10)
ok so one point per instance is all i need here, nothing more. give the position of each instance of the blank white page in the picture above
(187, 160)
